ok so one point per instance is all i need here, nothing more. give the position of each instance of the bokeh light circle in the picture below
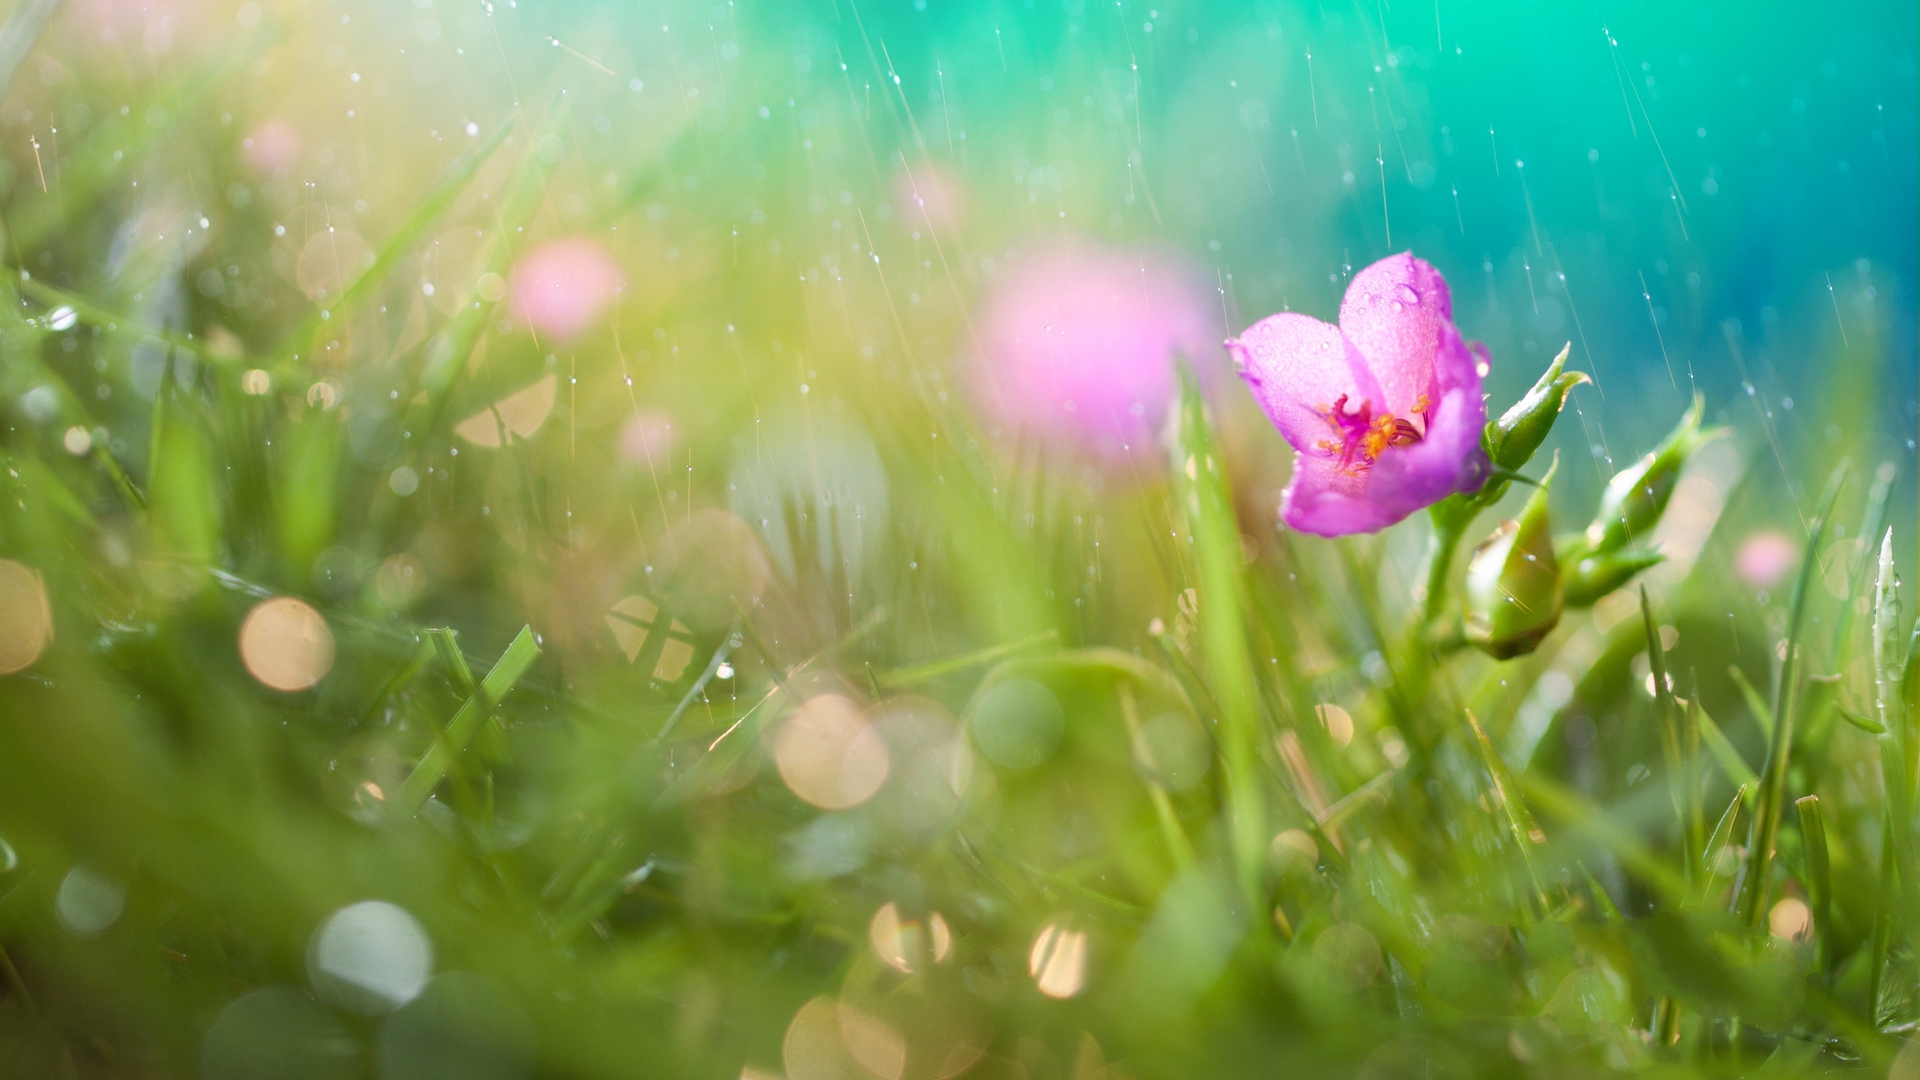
(1017, 723)
(370, 957)
(286, 644)
(26, 619)
(829, 755)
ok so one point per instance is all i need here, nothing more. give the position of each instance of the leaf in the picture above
(1864, 723)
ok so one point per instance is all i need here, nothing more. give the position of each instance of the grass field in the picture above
(537, 546)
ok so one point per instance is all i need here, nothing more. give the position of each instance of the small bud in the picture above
(1512, 439)
(1589, 577)
(1513, 592)
(1635, 497)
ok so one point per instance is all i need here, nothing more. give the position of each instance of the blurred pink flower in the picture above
(1764, 558)
(561, 287)
(928, 193)
(271, 146)
(1384, 410)
(1079, 345)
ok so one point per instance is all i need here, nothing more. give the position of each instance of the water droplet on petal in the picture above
(1407, 294)
(1398, 307)
(1481, 368)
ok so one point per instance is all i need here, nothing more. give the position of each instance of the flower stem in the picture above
(1448, 528)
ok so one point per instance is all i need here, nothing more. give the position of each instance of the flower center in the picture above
(1362, 436)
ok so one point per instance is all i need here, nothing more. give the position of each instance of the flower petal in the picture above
(1326, 500)
(1330, 501)
(1298, 368)
(1393, 312)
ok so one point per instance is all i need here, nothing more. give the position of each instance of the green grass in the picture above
(1168, 791)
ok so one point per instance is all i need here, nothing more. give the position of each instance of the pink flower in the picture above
(1384, 410)
(271, 147)
(561, 287)
(1764, 558)
(1079, 345)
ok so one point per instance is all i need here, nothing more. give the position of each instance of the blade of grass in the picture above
(402, 675)
(920, 673)
(1819, 877)
(1886, 900)
(1871, 523)
(1527, 834)
(1756, 701)
(1751, 897)
(433, 767)
(1573, 810)
(1177, 843)
(1208, 505)
(1710, 876)
(732, 642)
(1350, 803)
(1667, 717)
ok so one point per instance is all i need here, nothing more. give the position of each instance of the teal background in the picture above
(1753, 165)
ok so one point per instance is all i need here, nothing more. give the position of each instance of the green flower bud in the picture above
(1513, 592)
(1589, 577)
(1637, 495)
(1512, 439)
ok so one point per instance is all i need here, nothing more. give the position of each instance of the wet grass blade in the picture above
(1710, 876)
(1527, 834)
(1751, 899)
(402, 675)
(1756, 701)
(1581, 816)
(1667, 716)
(1208, 505)
(1724, 754)
(1178, 845)
(920, 673)
(433, 767)
(1819, 877)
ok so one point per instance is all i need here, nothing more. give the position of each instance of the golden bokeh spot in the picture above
(829, 755)
(1339, 723)
(286, 644)
(26, 618)
(873, 1043)
(635, 621)
(906, 946)
(77, 440)
(1790, 919)
(1058, 961)
(521, 413)
(813, 1048)
(256, 382)
(323, 395)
